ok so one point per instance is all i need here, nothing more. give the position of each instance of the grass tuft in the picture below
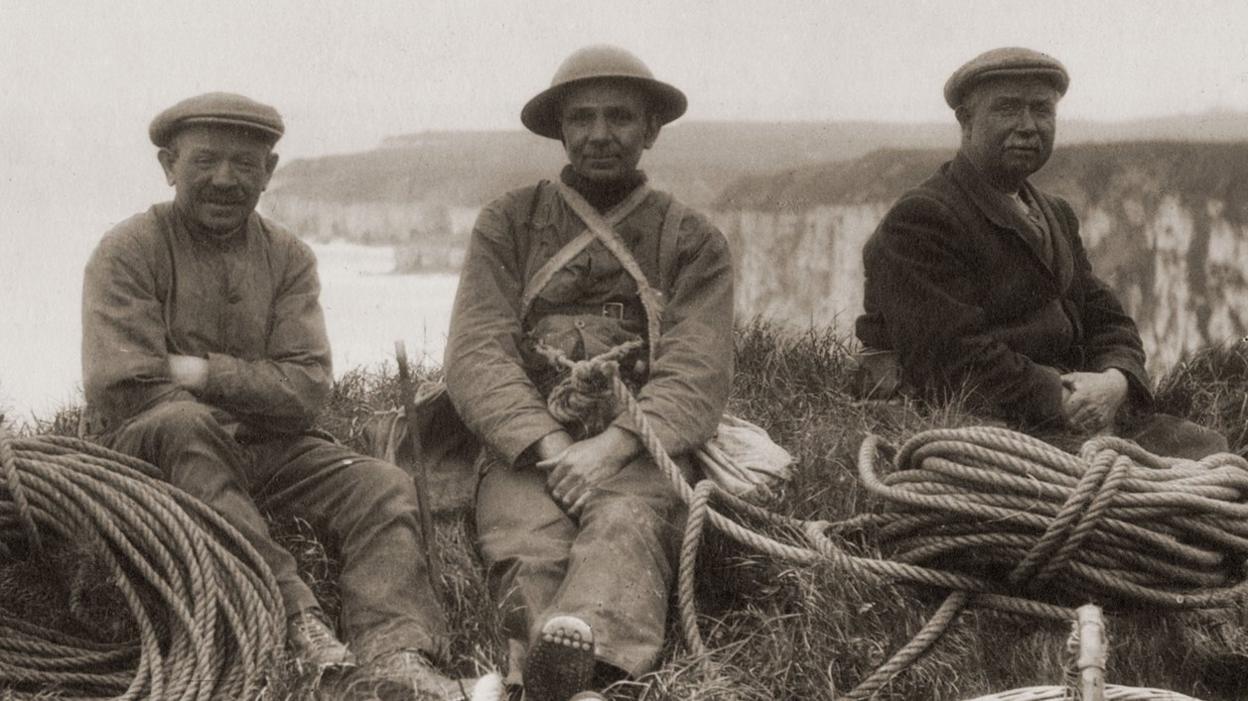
(1209, 388)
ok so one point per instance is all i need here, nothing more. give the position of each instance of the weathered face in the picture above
(1008, 127)
(218, 175)
(605, 129)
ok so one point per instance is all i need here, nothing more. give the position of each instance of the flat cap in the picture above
(599, 62)
(221, 109)
(1006, 61)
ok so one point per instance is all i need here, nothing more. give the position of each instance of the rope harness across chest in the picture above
(207, 611)
(1114, 524)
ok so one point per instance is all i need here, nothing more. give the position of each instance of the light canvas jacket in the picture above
(248, 304)
(514, 236)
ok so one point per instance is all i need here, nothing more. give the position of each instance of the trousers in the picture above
(613, 567)
(367, 508)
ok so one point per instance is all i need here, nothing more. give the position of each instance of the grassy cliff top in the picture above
(1081, 173)
(777, 631)
(695, 160)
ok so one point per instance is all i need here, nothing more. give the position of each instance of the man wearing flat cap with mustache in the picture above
(204, 352)
(978, 282)
(579, 527)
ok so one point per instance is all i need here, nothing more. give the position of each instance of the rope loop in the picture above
(13, 484)
(1078, 519)
(208, 620)
(688, 566)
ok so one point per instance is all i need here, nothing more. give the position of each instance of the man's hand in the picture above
(188, 372)
(1091, 399)
(552, 444)
(579, 468)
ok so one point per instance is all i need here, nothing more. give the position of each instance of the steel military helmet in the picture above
(541, 115)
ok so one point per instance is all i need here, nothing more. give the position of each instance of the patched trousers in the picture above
(612, 567)
(367, 508)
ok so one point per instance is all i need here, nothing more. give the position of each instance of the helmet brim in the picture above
(542, 114)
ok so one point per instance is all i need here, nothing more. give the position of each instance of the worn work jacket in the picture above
(248, 304)
(967, 299)
(687, 387)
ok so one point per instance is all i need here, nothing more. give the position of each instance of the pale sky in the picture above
(81, 80)
(345, 74)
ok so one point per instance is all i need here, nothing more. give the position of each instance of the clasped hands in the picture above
(575, 468)
(1090, 400)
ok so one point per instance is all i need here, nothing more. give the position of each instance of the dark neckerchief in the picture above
(602, 196)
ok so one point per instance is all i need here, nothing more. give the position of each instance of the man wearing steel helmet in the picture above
(204, 352)
(978, 281)
(580, 528)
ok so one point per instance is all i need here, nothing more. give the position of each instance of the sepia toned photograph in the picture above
(569, 351)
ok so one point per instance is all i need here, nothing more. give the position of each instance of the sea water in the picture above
(367, 308)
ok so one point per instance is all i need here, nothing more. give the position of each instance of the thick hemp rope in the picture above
(584, 399)
(1115, 524)
(206, 608)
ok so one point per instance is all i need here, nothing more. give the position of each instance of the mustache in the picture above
(219, 196)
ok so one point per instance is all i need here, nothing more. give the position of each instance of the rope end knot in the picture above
(584, 399)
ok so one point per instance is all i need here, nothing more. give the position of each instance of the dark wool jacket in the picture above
(967, 302)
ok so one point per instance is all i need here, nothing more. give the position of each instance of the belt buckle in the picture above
(613, 310)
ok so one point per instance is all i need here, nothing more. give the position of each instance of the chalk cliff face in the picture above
(1164, 220)
(427, 236)
(419, 192)
(1165, 224)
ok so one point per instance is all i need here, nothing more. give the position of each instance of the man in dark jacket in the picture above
(980, 283)
(204, 352)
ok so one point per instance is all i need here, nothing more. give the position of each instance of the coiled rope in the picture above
(206, 608)
(585, 398)
(1115, 522)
